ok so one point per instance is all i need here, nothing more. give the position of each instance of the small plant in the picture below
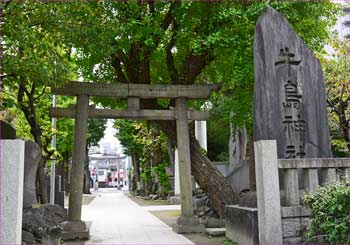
(229, 242)
(330, 210)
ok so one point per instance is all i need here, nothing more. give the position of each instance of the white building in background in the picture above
(343, 24)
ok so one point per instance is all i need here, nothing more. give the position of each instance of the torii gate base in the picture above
(74, 228)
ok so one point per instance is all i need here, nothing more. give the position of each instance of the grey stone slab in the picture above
(216, 231)
(189, 224)
(294, 227)
(242, 224)
(175, 200)
(314, 163)
(293, 240)
(294, 211)
(75, 230)
(289, 92)
(32, 159)
(11, 188)
(291, 187)
(311, 180)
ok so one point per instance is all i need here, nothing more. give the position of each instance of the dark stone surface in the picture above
(7, 132)
(289, 100)
(27, 238)
(59, 192)
(43, 223)
(32, 159)
(248, 200)
(242, 224)
(294, 227)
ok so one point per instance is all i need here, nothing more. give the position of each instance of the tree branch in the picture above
(193, 66)
(170, 58)
(116, 63)
(41, 94)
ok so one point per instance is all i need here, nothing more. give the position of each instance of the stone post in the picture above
(11, 188)
(187, 222)
(74, 227)
(267, 188)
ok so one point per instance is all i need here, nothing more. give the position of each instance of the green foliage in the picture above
(126, 134)
(146, 174)
(330, 207)
(136, 35)
(337, 76)
(96, 129)
(163, 178)
(218, 133)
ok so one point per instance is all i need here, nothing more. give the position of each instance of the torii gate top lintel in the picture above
(146, 91)
(134, 92)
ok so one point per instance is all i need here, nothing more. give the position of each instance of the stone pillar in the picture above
(11, 189)
(267, 189)
(176, 174)
(187, 222)
(201, 133)
(74, 227)
(31, 162)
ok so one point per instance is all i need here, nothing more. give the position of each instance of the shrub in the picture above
(330, 209)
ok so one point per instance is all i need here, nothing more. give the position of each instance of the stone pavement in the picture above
(116, 219)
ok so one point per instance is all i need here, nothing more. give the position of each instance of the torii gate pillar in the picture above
(187, 222)
(75, 228)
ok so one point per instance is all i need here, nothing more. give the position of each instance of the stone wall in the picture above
(295, 220)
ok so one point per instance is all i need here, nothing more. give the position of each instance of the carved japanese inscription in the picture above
(289, 94)
(293, 123)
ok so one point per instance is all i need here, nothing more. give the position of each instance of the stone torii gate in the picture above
(187, 222)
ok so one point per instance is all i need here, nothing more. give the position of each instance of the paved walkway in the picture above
(118, 220)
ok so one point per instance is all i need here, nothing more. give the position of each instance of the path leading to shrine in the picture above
(118, 220)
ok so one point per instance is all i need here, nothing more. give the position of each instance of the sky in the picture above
(109, 142)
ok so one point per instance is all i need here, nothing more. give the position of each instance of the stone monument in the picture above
(289, 92)
(31, 162)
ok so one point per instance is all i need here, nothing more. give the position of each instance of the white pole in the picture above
(201, 133)
(177, 174)
(53, 144)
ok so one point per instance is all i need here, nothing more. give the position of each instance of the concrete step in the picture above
(216, 231)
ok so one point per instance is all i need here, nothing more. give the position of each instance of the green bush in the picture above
(163, 178)
(330, 213)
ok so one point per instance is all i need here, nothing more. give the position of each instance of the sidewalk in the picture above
(118, 220)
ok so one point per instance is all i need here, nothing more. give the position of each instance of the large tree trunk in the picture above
(29, 110)
(42, 183)
(86, 187)
(136, 167)
(148, 181)
(207, 176)
(171, 153)
(252, 176)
